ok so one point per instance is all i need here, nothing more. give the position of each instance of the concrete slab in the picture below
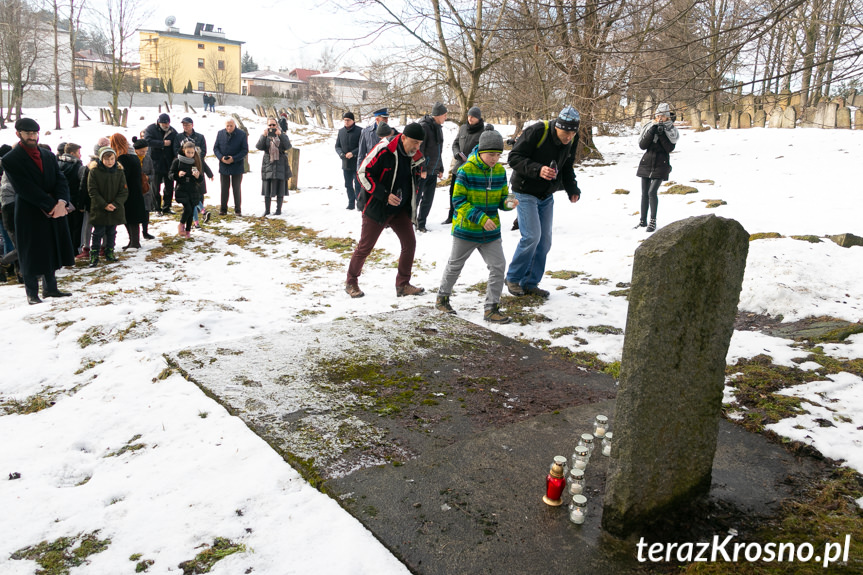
(437, 434)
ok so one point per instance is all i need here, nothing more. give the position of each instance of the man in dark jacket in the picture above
(388, 185)
(369, 137)
(161, 138)
(542, 162)
(432, 150)
(42, 232)
(231, 148)
(347, 147)
(73, 169)
(462, 146)
(189, 133)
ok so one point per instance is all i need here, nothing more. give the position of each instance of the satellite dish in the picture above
(170, 21)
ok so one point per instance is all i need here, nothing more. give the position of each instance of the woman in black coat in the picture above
(658, 139)
(275, 169)
(136, 212)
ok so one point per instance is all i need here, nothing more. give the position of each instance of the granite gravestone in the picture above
(686, 282)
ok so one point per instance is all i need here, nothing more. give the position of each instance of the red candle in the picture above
(555, 482)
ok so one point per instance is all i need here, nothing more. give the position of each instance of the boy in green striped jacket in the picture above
(480, 191)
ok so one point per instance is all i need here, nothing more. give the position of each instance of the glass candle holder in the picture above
(586, 440)
(580, 458)
(600, 426)
(564, 464)
(578, 509)
(509, 202)
(576, 482)
(606, 444)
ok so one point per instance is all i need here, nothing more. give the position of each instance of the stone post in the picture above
(294, 162)
(843, 118)
(858, 119)
(686, 282)
(760, 119)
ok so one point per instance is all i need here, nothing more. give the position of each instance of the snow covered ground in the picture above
(197, 473)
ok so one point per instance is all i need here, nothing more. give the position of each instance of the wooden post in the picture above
(192, 108)
(101, 115)
(68, 111)
(125, 117)
(186, 106)
(294, 162)
(167, 108)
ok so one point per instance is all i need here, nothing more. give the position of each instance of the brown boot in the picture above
(408, 289)
(492, 314)
(353, 290)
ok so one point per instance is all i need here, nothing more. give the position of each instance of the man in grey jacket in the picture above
(432, 151)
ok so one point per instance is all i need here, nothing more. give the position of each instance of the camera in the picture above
(673, 116)
(272, 131)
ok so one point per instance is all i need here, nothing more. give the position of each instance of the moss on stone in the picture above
(765, 236)
(810, 239)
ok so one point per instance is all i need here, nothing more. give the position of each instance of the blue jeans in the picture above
(534, 222)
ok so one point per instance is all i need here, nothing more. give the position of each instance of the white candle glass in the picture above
(606, 444)
(578, 509)
(580, 457)
(586, 440)
(576, 482)
(600, 426)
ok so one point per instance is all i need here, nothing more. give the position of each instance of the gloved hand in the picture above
(660, 129)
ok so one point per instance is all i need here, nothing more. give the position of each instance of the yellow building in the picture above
(206, 58)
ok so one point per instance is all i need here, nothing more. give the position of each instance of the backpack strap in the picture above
(544, 134)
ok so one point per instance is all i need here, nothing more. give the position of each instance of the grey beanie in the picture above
(490, 141)
(475, 112)
(384, 130)
(663, 110)
(438, 109)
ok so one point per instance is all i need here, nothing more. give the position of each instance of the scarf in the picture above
(35, 155)
(670, 131)
(274, 149)
(184, 159)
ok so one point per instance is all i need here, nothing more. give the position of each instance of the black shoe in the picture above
(422, 229)
(536, 290)
(652, 226)
(55, 293)
(168, 211)
(206, 217)
(278, 213)
(641, 225)
(33, 299)
(515, 224)
(351, 207)
(147, 236)
(446, 222)
(223, 213)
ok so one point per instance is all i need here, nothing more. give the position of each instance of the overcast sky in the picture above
(276, 33)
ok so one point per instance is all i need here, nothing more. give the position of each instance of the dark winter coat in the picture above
(655, 163)
(236, 145)
(466, 140)
(279, 170)
(107, 186)
(199, 139)
(535, 148)
(83, 191)
(432, 146)
(348, 140)
(161, 154)
(283, 124)
(377, 176)
(44, 244)
(73, 170)
(187, 187)
(136, 213)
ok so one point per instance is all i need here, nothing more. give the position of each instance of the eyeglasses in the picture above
(271, 125)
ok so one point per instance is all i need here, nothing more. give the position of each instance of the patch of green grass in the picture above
(605, 329)
(826, 513)
(130, 446)
(169, 245)
(206, 559)
(839, 334)
(387, 391)
(765, 236)
(88, 364)
(32, 404)
(621, 191)
(597, 281)
(557, 332)
(612, 369)
(564, 274)
(715, 203)
(59, 556)
(585, 359)
(711, 182)
(61, 326)
(91, 336)
(619, 293)
(143, 566)
(680, 189)
(521, 309)
(810, 239)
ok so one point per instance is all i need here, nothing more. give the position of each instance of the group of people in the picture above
(56, 206)
(209, 103)
(397, 175)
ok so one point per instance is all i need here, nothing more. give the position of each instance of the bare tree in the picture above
(19, 50)
(75, 9)
(55, 24)
(218, 74)
(170, 62)
(120, 23)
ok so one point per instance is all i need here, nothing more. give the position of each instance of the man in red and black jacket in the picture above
(387, 199)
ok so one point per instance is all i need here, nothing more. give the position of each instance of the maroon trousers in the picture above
(403, 227)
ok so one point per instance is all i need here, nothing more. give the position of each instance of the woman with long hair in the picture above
(186, 171)
(136, 213)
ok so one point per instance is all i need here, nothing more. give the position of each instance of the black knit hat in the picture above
(384, 130)
(139, 143)
(348, 115)
(438, 109)
(414, 131)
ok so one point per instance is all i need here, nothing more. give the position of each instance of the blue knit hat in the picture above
(568, 119)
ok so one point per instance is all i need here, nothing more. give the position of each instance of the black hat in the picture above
(26, 125)
(414, 131)
(348, 115)
(438, 109)
(4, 149)
(187, 120)
(139, 143)
(164, 119)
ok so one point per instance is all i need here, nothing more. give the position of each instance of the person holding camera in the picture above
(231, 148)
(275, 169)
(658, 138)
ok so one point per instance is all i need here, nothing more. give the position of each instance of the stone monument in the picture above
(686, 282)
